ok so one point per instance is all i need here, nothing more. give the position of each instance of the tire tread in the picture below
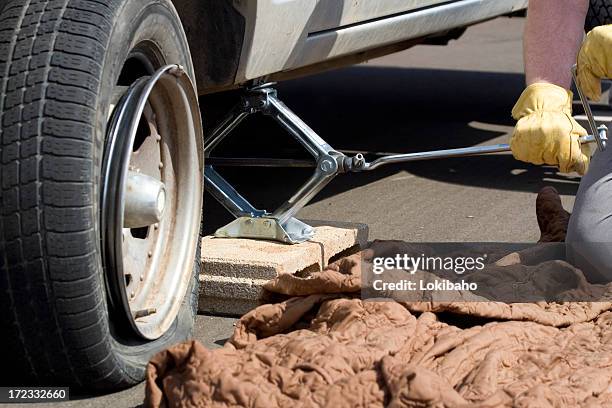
(53, 49)
(55, 326)
(600, 13)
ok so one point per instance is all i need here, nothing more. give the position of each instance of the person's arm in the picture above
(546, 132)
(553, 34)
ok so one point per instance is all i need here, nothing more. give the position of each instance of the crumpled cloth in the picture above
(325, 347)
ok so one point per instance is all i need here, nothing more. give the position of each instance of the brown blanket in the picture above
(325, 347)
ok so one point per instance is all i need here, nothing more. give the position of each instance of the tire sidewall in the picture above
(137, 21)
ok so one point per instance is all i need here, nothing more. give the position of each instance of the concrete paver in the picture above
(235, 270)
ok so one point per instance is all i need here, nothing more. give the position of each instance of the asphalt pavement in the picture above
(425, 98)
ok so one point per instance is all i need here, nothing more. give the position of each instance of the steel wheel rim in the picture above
(148, 272)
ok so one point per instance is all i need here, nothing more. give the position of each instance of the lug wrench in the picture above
(444, 154)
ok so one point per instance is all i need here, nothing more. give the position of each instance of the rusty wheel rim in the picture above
(155, 133)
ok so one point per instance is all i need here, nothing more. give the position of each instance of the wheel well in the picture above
(215, 31)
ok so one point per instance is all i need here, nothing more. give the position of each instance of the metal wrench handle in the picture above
(444, 154)
(599, 133)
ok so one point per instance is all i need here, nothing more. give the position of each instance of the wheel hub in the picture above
(145, 201)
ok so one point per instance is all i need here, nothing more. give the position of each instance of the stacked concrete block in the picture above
(235, 270)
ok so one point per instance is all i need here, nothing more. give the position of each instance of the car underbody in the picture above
(234, 42)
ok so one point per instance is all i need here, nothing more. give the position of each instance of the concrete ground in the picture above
(425, 98)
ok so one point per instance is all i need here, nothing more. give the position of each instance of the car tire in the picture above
(60, 63)
(600, 13)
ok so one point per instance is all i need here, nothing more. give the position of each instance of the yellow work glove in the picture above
(595, 61)
(546, 132)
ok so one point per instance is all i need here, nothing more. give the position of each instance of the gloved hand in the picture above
(546, 132)
(595, 61)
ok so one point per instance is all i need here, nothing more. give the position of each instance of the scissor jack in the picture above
(281, 224)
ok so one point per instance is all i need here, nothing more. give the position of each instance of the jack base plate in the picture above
(293, 231)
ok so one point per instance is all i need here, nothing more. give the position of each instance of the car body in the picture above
(236, 41)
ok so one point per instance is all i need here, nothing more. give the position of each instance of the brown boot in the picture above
(552, 217)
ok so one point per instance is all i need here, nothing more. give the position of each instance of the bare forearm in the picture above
(553, 35)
